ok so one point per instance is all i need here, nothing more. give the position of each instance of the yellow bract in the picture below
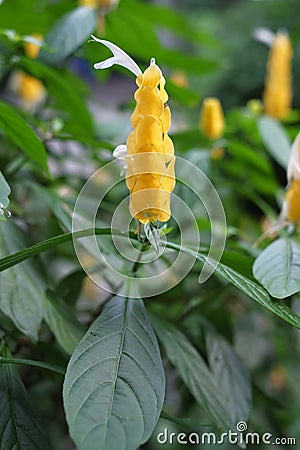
(150, 173)
(292, 202)
(212, 118)
(277, 97)
(32, 50)
(97, 3)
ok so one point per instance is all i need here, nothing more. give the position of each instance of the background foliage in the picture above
(198, 357)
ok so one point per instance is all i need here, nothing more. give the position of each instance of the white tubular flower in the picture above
(264, 35)
(293, 170)
(120, 58)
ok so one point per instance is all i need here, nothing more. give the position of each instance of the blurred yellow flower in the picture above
(255, 106)
(292, 200)
(277, 97)
(212, 118)
(179, 78)
(102, 4)
(29, 89)
(291, 205)
(32, 49)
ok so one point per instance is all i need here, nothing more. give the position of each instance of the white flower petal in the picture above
(120, 57)
(293, 170)
(264, 35)
(120, 152)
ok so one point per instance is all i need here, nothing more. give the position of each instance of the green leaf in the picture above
(17, 130)
(230, 375)
(30, 362)
(63, 323)
(48, 244)
(4, 192)
(61, 87)
(69, 287)
(275, 139)
(277, 268)
(22, 291)
(194, 372)
(68, 34)
(182, 94)
(20, 427)
(247, 286)
(114, 386)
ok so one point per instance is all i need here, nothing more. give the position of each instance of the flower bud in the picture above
(212, 118)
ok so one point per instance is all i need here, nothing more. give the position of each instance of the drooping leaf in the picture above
(230, 375)
(17, 130)
(114, 386)
(247, 286)
(22, 291)
(277, 268)
(68, 34)
(20, 426)
(194, 372)
(63, 323)
(275, 140)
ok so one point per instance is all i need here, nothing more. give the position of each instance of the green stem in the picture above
(22, 255)
(30, 362)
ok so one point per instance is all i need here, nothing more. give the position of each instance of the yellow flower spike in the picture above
(292, 201)
(212, 121)
(150, 159)
(277, 97)
(291, 205)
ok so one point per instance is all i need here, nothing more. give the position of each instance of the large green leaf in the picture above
(17, 130)
(68, 34)
(275, 140)
(247, 286)
(62, 322)
(20, 427)
(230, 375)
(22, 292)
(114, 385)
(277, 268)
(194, 372)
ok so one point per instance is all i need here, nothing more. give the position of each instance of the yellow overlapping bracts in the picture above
(277, 97)
(150, 162)
(212, 121)
(292, 200)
